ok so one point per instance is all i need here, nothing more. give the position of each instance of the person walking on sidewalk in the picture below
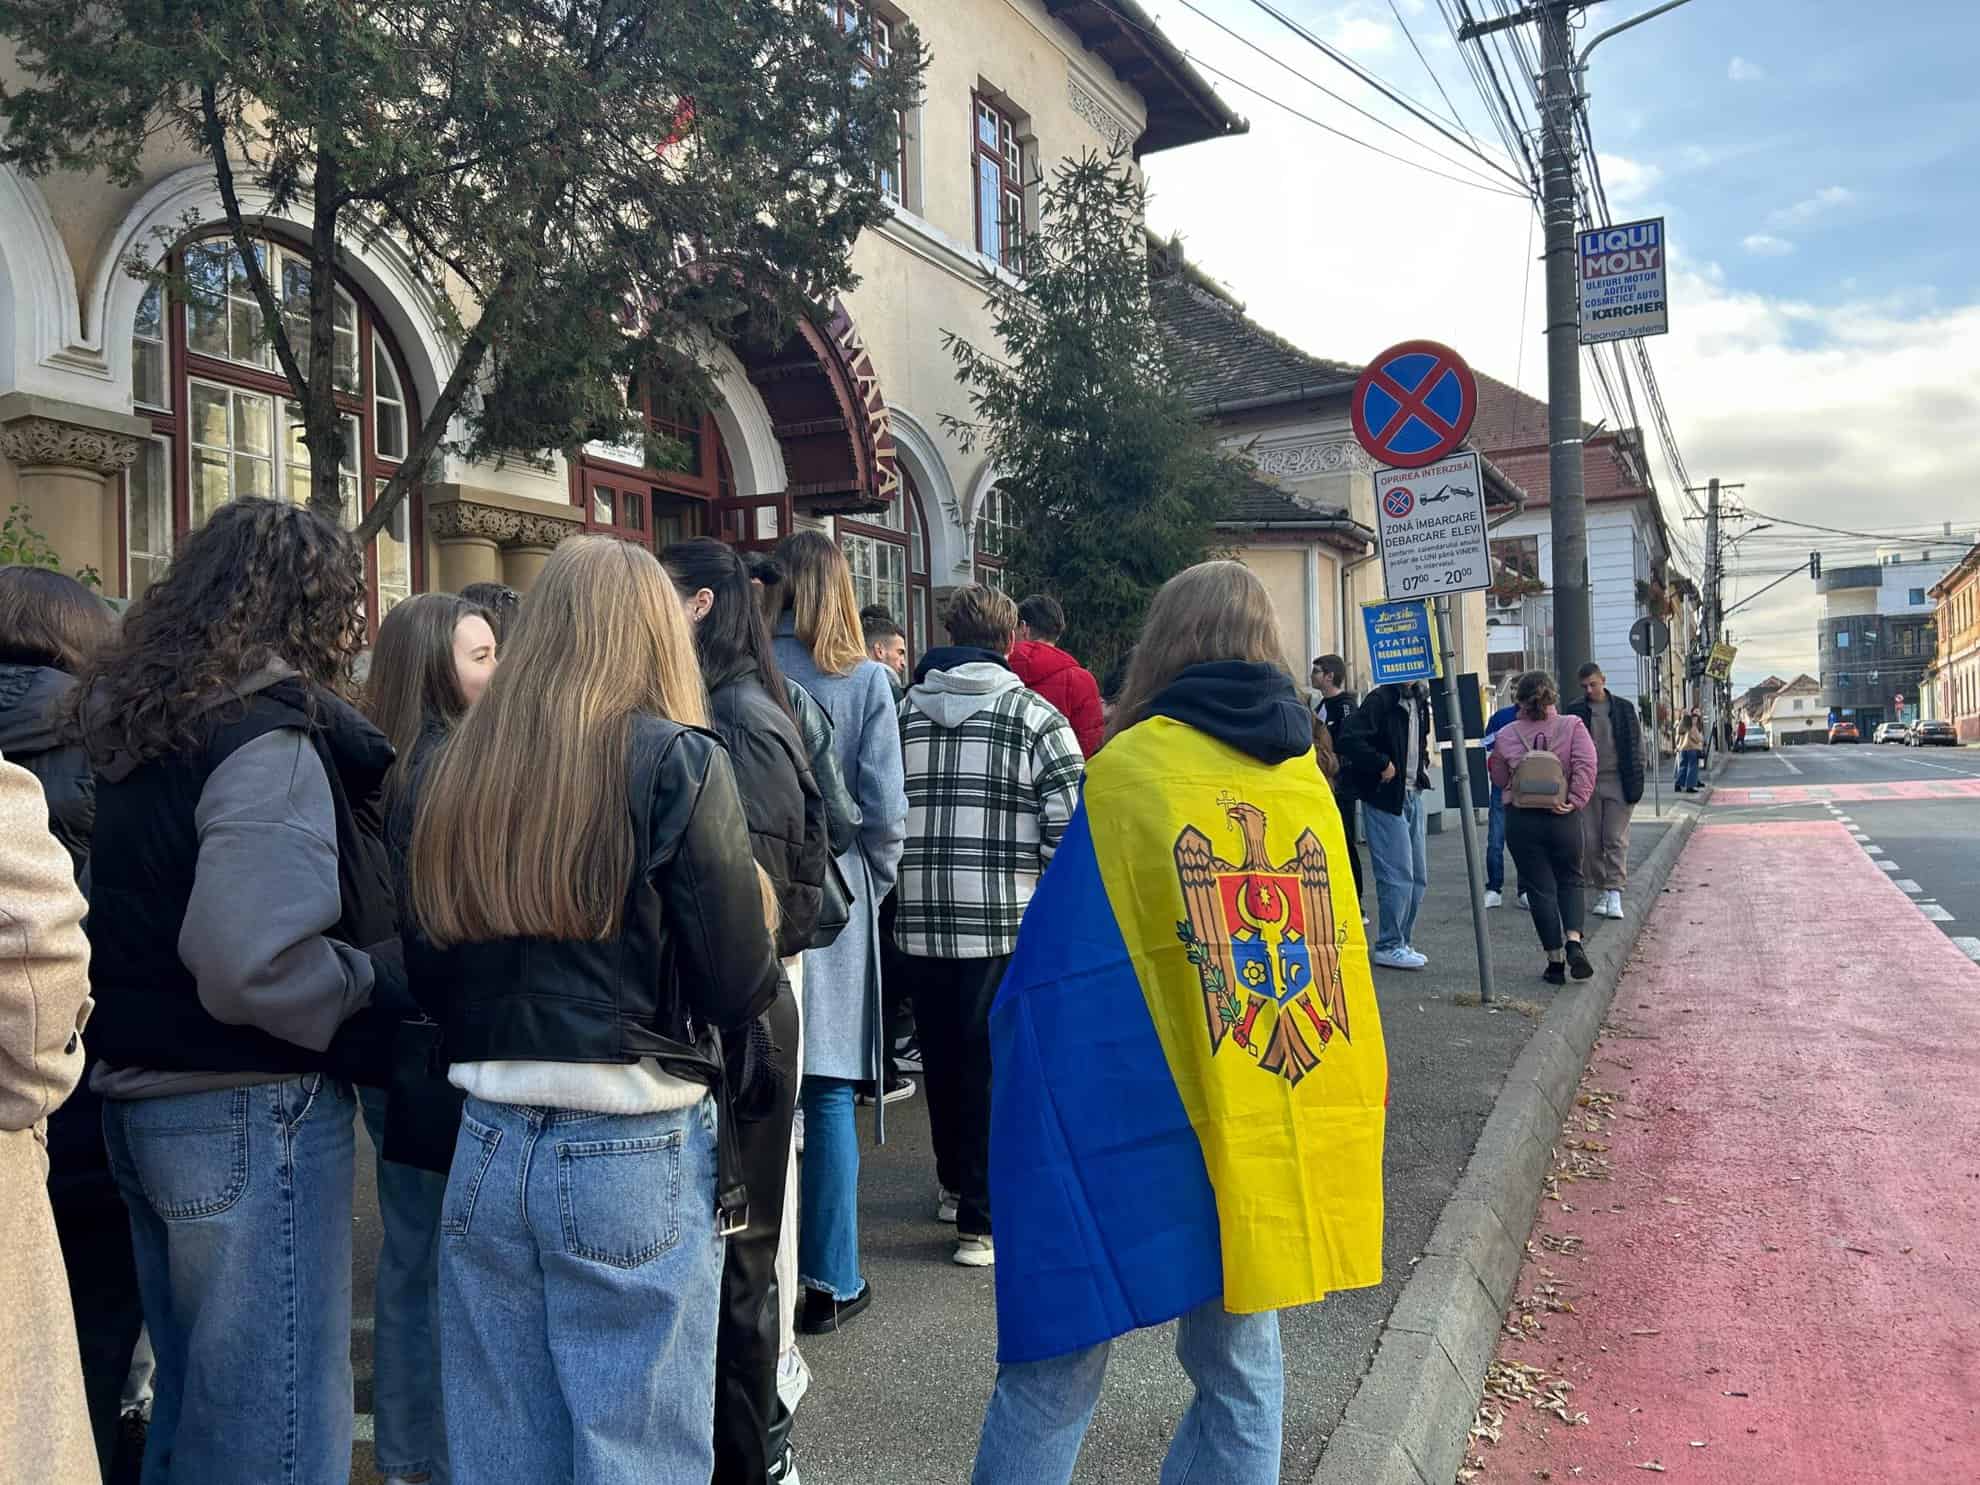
(1618, 737)
(993, 774)
(1691, 752)
(1333, 704)
(1052, 673)
(1387, 749)
(1545, 764)
(1148, 1166)
(1495, 830)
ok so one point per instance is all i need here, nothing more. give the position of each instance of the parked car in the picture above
(1844, 732)
(1936, 731)
(1756, 738)
(1891, 732)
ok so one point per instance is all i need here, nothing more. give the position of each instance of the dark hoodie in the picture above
(33, 699)
(1251, 706)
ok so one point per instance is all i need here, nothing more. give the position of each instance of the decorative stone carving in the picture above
(454, 520)
(39, 441)
(1111, 128)
(1298, 461)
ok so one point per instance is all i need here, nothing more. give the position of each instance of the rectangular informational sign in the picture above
(1623, 282)
(1431, 522)
(1402, 640)
(1720, 666)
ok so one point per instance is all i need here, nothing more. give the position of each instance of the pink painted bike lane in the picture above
(1761, 1261)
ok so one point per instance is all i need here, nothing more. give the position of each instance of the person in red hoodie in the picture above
(1054, 674)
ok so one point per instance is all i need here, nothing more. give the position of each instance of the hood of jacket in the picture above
(31, 700)
(1253, 707)
(955, 682)
(1038, 661)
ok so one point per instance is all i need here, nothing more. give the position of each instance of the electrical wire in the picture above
(1435, 81)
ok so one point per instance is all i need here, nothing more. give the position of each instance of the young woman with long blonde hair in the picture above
(586, 911)
(820, 645)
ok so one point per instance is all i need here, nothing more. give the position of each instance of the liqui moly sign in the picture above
(1623, 282)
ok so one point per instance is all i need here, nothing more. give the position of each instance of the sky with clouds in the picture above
(1814, 160)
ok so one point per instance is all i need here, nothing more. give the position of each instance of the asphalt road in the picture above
(1930, 841)
(898, 1396)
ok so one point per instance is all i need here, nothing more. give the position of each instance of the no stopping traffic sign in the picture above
(1414, 404)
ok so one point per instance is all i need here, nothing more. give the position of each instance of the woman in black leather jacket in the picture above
(749, 708)
(585, 920)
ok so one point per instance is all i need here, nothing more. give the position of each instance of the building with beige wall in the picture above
(126, 416)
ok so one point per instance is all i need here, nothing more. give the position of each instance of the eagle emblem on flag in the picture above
(1264, 943)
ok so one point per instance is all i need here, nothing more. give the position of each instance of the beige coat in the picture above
(44, 1001)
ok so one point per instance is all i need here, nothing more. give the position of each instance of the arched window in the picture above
(224, 424)
(993, 537)
(888, 554)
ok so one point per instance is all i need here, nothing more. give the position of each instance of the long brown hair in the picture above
(1212, 611)
(822, 601)
(525, 830)
(48, 618)
(413, 676)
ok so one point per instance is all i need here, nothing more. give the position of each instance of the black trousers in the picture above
(952, 999)
(1349, 806)
(896, 1014)
(746, 1332)
(1546, 848)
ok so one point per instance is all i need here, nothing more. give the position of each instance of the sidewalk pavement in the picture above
(1779, 1199)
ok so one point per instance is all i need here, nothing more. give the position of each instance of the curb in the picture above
(1410, 1416)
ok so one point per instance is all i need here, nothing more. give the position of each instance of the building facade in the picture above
(1877, 635)
(1796, 714)
(1955, 679)
(126, 415)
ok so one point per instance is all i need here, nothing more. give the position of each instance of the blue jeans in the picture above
(580, 1275)
(828, 1190)
(1396, 851)
(1687, 772)
(1495, 843)
(1230, 1436)
(240, 1207)
(411, 1434)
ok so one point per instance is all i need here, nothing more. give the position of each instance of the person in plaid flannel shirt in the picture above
(993, 774)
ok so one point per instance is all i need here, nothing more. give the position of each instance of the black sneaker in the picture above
(1577, 958)
(907, 1055)
(819, 1312)
(897, 1089)
(1554, 974)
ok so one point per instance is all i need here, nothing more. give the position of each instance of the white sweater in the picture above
(594, 1087)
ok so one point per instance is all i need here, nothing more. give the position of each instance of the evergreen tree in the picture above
(1113, 485)
(598, 184)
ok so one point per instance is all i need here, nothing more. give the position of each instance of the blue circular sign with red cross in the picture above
(1414, 404)
(1398, 502)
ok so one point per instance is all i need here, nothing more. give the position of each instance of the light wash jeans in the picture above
(1230, 1436)
(411, 1434)
(240, 1204)
(1396, 850)
(580, 1274)
(1495, 843)
(1687, 770)
(828, 1229)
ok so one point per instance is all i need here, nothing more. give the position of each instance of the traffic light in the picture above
(1814, 564)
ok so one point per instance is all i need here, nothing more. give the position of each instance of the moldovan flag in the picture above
(1190, 1084)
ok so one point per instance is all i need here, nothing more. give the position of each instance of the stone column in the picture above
(484, 536)
(523, 559)
(66, 462)
(469, 549)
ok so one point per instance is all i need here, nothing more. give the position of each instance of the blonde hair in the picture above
(524, 829)
(822, 601)
(1212, 611)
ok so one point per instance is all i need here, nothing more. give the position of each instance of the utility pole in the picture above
(1713, 568)
(1567, 510)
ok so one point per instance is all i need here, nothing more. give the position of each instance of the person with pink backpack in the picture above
(1544, 764)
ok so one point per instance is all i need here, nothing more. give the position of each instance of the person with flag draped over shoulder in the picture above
(1191, 1089)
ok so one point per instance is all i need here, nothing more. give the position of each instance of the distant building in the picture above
(1955, 684)
(1795, 713)
(1753, 704)
(1877, 635)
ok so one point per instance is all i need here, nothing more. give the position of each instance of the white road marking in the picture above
(1936, 913)
(1782, 758)
(1887, 866)
(1874, 850)
(1905, 884)
(1970, 947)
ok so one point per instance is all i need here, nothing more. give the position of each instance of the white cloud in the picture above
(1627, 180)
(1743, 71)
(1824, 201)
(1763, 245)
(1359, 34)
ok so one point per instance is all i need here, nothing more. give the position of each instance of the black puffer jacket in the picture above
(1627, 730)
(842, 816)
(32, 701)
(1375, 735)
(786, 812)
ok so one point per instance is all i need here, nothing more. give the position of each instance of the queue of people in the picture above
(575, 904)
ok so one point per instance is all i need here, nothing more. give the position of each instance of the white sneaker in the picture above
(1524, 907)
(975, 1252)
(797, 1129)
(793, 1379)
(1398, 958)
(1615, 904)
(1494, 899)
(945, 1205)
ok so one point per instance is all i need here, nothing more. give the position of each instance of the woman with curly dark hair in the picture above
(233, 885)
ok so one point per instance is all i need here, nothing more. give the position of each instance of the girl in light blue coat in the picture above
(819, 645)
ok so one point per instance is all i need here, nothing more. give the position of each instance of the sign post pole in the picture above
(1656, 744)
(1474, 865)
